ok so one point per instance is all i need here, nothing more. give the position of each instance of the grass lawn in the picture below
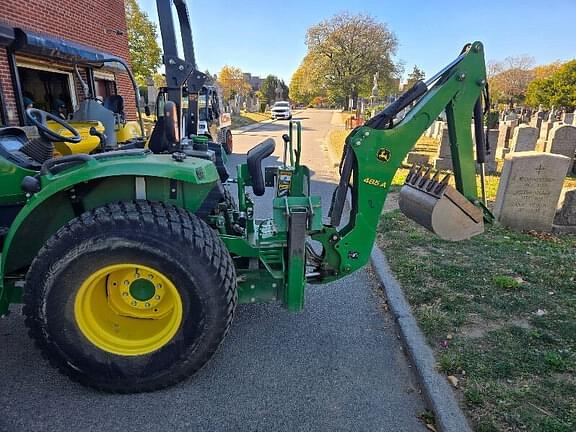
(247, 118)
(499, 310)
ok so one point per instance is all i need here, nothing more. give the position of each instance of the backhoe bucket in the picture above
(440, 208)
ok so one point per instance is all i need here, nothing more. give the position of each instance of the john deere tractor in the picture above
(130, 264)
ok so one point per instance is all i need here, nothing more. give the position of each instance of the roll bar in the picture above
(179, 71)
(132, 80)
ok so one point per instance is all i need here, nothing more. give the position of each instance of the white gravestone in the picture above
(502, 143)
(562, 140)
(529, 189)
(443, 160)
(568, 118)
(524, 138)
(542, 142)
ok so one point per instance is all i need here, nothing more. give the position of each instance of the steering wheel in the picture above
(38, 118)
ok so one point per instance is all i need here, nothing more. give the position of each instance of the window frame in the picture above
(38, 66)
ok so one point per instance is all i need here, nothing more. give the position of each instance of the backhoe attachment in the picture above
(374, 152)
(438, 206)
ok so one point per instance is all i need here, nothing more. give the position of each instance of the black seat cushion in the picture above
(114, 103)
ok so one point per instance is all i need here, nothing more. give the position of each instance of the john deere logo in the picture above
(383, 155)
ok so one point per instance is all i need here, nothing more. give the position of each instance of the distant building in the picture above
(256, 82)
(40, 42)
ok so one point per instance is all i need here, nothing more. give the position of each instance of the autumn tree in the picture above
(159, 79)
(347, 50)
(307, 82)
(558, 89)
(145, 53)
(417, 74)
(509, 79)
(231, 80)
(269, 86)
(544, 71)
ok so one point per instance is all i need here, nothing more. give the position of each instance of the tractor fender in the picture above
(66, 195)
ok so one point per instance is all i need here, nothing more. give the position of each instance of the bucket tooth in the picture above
(414, 175)
(425, 177)
(442, 185)
(411, 173)
(433, 181)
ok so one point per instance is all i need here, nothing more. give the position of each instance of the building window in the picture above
(47, 89)
(105, 85)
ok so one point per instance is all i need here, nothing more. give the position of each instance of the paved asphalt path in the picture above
(336, 366)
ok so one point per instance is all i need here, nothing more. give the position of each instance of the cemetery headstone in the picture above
(524, 138)
(444, 157)
(568, 118)
(562, 140)
(512, 123)
(565, 219)
(491, 164)
(502, 142)
(437, 128)
(529, 189)
(542, 142)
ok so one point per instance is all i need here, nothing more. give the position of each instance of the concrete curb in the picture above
(449, 417)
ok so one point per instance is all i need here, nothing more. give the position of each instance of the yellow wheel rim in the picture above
(128, 309)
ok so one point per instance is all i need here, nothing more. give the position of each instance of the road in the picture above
(336, 366)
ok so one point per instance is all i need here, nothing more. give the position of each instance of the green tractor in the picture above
(130, 264)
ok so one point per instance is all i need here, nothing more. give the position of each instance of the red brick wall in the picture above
(7, 90)
(89, 22)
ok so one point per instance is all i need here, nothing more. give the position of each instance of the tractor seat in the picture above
(114, 103)
(254, 160)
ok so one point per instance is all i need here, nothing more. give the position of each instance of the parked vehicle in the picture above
(281, 110)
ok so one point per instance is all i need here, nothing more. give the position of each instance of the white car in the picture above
(281, 110)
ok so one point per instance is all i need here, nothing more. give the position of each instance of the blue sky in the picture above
(267, 37)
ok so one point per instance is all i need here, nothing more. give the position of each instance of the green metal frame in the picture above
(92, 184)
(270, 255)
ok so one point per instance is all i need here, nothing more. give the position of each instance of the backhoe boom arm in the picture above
(375, 151)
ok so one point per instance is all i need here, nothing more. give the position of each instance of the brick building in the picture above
(40, 40)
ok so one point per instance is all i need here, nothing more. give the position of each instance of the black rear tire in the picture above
(180, 245)
(226, 140)
(229, 143)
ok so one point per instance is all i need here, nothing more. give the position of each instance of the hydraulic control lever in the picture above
(286, 139)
